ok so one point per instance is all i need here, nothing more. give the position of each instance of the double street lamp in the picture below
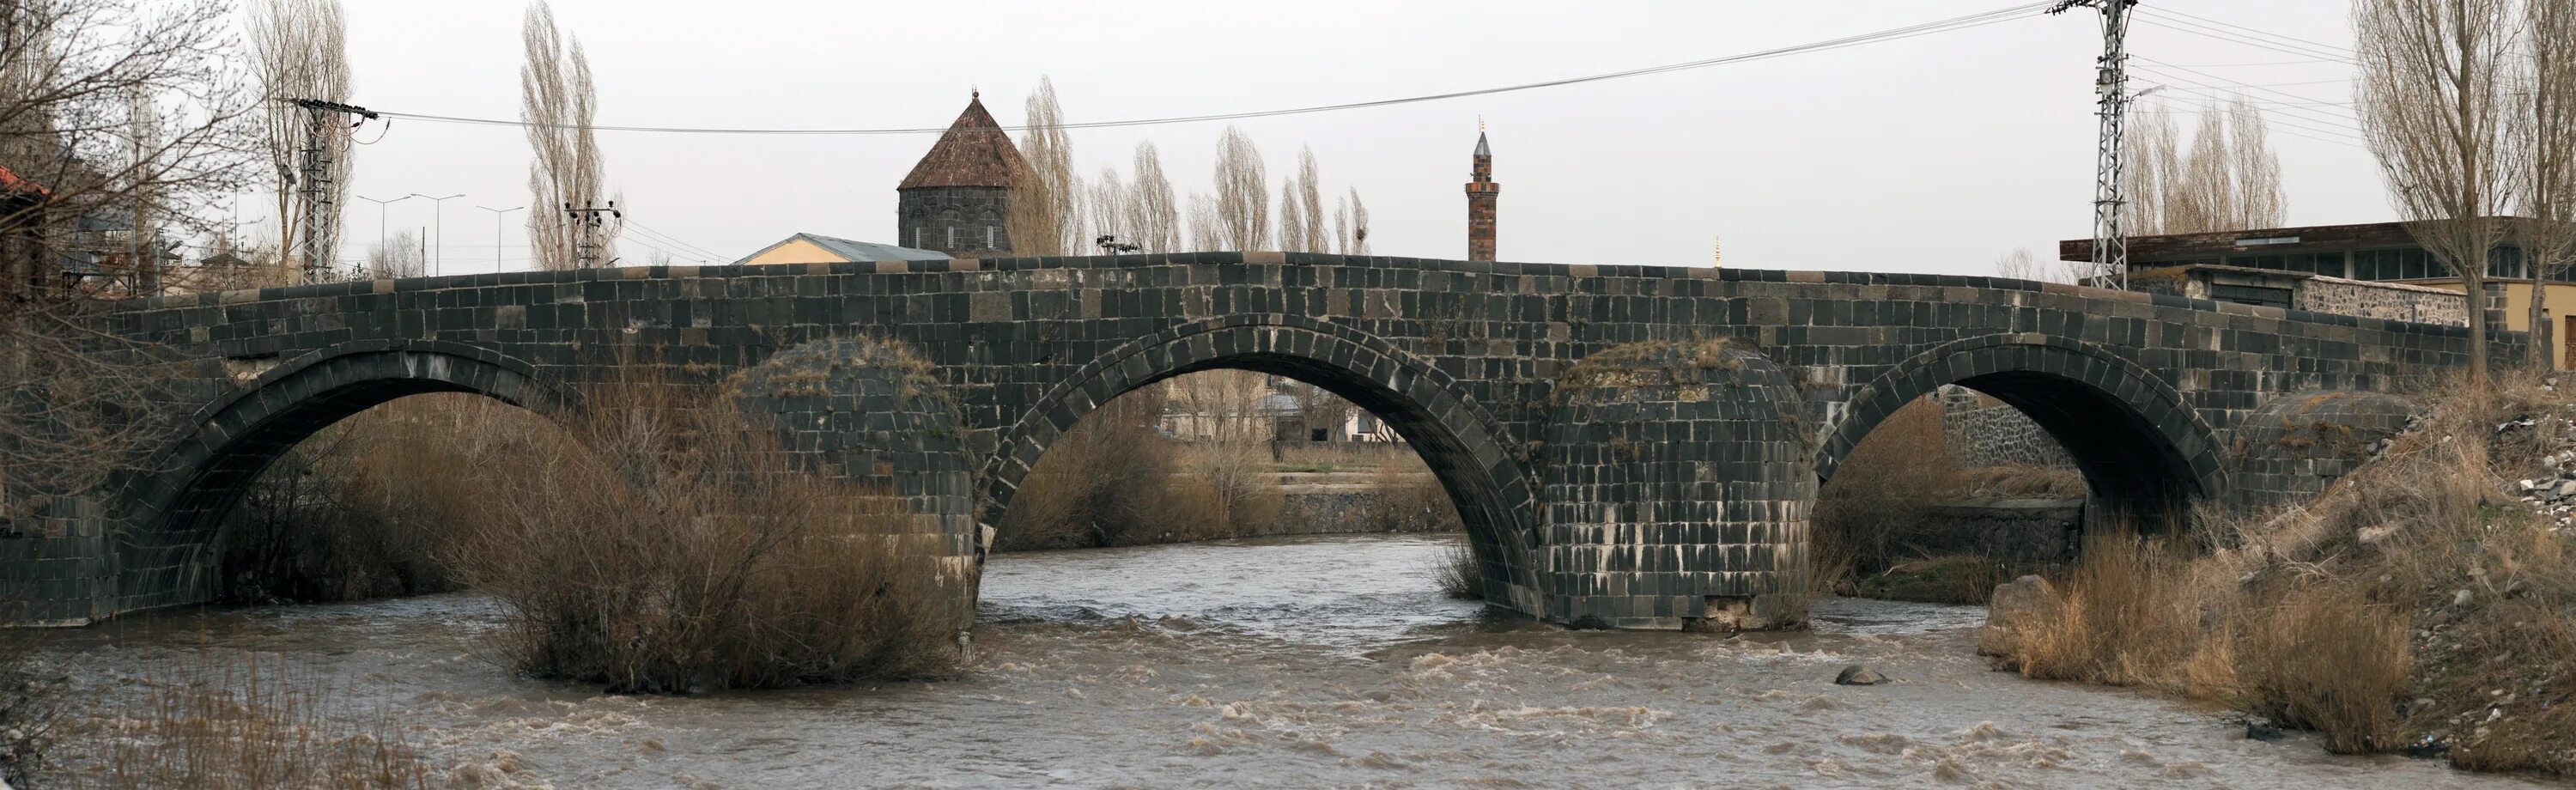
(441, 224)
(497, 214)
(380, 217)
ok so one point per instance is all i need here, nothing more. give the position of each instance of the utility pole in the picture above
(586, 247)
(2111, 87)
(319, 241)
(440, 262)
(497, 214)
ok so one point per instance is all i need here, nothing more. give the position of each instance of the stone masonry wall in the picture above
(2394, 301)
(1463, 358)
(1993, 434)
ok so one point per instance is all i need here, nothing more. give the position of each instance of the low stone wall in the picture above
(1983, 433)
(2023, 533)
(2394, 301)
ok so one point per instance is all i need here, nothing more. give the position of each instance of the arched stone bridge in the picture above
(1630, 446)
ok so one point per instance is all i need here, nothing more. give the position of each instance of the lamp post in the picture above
(497, 214)
(380, 216)
(442, 226)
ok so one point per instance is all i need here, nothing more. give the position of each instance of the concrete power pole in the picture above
(586, 246)
(320, 242)
(2111, 86)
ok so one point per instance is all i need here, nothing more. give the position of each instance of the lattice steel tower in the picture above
(2111, 86)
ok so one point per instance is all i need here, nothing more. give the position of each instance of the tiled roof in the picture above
(975, 152)
(10, 183)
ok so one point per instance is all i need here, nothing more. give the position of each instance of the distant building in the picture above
(1481, 193)
(957, 200)
(814, 248)
(2272, 266)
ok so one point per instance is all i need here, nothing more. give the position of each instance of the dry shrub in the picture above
(362, 509)
(1877, 493)
(1954, 578)
(1229, 489)
(670, 546)
(1455, 573)
(2024, 481)
(2324, 659)
(1098, 485)
(28, 702)
(241, 724)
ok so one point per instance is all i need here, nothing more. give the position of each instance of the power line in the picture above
(1892, 34)
(2209, 32)
(674, 241)
(2294, 39)
(2154, 64)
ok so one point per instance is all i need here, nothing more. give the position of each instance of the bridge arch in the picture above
(1465, 447)
(177, 501)
(2141, 447)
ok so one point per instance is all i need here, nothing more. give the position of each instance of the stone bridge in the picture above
(1630, 446)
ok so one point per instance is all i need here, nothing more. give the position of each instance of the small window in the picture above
(988, 238)
(952, 237)
(1319, 434)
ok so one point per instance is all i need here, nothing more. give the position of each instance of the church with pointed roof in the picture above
(957, 200)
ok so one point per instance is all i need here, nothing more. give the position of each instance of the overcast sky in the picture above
(1932, 154)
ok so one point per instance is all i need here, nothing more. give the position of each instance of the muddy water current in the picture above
(1297, 662)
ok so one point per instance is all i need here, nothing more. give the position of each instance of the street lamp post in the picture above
(442, 227)
(497, 214)
(380, 216)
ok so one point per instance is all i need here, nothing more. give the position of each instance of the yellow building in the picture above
(2374, 252)
(812, 248)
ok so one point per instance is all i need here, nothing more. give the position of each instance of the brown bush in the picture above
(2129, 617)
(671, 547)
(28, 701)
(1229, 489)
(1455, 573)
(1878, 493)
(1405, 497)
(1099, 484)
(362, 508)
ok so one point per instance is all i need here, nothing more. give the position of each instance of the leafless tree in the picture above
(1207, 223)
(397, 257)
(2432, 108)
(2544, 126)
(2228, 180)
(1153, 217)
(1292, 217)
(1106, 205)
(1046, 205)
(1359, 238)
(558, 99)
(1301, 225)
(301, 50)
(1242, 193)
(105, 105)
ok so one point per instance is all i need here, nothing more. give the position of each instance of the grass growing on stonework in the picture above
(665, 545)
(2423, 603)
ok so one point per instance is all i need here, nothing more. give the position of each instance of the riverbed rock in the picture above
(1857, 675)
(2018, 607)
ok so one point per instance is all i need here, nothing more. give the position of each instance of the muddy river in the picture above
(1296, 662)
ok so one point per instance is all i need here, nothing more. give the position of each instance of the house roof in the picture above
(853, 251)
(10, 183)
(974, 152)
(2308, 238)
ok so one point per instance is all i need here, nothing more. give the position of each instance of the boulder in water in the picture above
(2018, 607)
(1857, 675)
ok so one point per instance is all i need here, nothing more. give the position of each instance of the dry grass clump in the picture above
(2420, 603)
(670, 546)
(1098, 485)
(1222, 489)
(1454, 572)
(28, 704)
(2024, 481)
(243, 726)
(1405, 497)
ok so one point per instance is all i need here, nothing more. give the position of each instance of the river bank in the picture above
(1293, 662)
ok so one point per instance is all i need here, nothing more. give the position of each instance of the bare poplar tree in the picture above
(2544, 124)
(1359, 224)
(399, 256)
(1046, 205)
(2018, 265)
(2431, 103)
(1107, 206)
(558, 99)
(301, 50)
(2229, 179)
(1342, 225)
(1153, 217)
(1242, 193)
(1207, 223)
(1310, 200)
(1292, 217)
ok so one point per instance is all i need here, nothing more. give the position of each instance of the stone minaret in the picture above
(1480, 203)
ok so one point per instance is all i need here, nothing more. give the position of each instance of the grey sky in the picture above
(1938, 153)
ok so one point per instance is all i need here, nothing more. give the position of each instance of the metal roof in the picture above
(855, 251)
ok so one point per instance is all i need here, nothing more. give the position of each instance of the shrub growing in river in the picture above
(236, 724)
(669, 546)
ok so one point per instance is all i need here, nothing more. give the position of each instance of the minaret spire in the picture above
(1481, 192)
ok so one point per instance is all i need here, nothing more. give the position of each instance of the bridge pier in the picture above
(1678, 489)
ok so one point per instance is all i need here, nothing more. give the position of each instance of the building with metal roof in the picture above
(816, 248)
